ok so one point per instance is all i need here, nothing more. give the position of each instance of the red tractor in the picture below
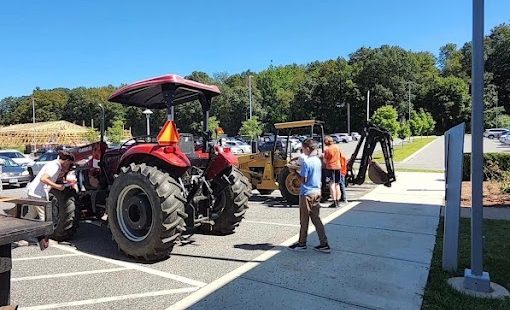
(153, 189)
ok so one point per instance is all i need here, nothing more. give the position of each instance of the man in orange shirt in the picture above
(333, 168)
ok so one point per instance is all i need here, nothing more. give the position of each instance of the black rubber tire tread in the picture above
(68, 214)
(293, 199)
(265, 192)
(233, 199)
(167, 202)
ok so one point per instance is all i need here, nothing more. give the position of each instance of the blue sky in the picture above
(60, 43)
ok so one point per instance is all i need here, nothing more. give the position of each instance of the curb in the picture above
(418, 152)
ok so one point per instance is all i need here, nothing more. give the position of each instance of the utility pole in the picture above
(409, 102)
(349, 118)
(33, 121)
(368, 105)
(249, 91)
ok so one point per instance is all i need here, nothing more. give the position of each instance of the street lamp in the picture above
(249, 92)
(341, 105)
(409, 99)
(148, 113)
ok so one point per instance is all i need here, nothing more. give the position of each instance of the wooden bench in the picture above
(14, 229)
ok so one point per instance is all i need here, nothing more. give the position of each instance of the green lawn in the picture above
(439, 295)
(402, 151)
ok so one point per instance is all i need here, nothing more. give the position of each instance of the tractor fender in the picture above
(221, 161)
(171, 155)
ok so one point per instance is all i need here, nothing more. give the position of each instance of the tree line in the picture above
(439, 86)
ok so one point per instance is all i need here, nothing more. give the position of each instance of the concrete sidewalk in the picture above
(381, 251)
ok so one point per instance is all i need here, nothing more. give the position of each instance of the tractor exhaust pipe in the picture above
(101, 123)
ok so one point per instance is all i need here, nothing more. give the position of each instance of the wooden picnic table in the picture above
(14, 229)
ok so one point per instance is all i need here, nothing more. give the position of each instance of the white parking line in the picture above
(131, 266)
(270, 223)
(43, 257)
(205, 291)
(68, 274)
(110, 299)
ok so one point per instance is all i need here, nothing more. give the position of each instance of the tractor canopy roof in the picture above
(298, 124)
(150, 93)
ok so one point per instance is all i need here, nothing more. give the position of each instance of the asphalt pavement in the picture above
(90, 272)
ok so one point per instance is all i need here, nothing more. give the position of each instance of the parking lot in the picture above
(90, 273)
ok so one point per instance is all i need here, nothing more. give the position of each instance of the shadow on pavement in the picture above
(379, 260)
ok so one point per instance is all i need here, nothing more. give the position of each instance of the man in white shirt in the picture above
(45, 180)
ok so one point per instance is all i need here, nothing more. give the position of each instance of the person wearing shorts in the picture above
(332, 173)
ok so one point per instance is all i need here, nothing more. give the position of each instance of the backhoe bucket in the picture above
(376, 174)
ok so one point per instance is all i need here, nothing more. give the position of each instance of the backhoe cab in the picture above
(152, 190)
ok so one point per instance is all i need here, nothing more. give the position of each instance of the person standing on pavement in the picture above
(343, 175)
(333, 166)
(309, 199)
(46, 180)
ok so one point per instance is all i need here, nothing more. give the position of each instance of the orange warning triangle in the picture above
(169, 134)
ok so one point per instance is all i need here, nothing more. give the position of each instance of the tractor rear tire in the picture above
(231, 202)
(146, 212)
(65, 214)
(288, 184)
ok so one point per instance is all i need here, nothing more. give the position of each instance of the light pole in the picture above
(249, 92)
(341, 105)
(148, 113)
(33, 121)
(409, 99)
(368, 105)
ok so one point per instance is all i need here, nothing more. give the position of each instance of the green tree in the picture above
(213, 123)
(428, 122)
(92, 135)
(116, 132)
(251, 128)
(404, 131)
(416, 124)
(386, 117)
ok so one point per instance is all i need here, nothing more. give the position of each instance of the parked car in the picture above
(341, 137)
(507, 139)
(17, 157)
(12, 173)
(494, 132)
(355, 135)
(237, 147)
(503, 136)
(41, 161)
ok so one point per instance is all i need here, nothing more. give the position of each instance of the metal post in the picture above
(33, 121)
(349, 118)
(249, 91)
(474, 278)
(148, 125)
(368, 105)
(409, 101)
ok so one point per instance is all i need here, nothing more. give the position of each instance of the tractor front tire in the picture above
(65, 214)
(146, 212)
(231, 202)
(288, 182)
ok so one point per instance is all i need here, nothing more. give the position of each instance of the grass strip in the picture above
(439, 295)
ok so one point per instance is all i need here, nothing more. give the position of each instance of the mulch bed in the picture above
(492, 196)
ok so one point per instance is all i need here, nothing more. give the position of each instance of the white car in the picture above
(503, 136)
(355, 135)
(494, 132)
(41, 161)
(507, 139)
(17, 157)
(237, 147)
(341, 137)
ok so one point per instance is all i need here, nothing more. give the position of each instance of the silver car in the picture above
(41, 161)
(13, 174)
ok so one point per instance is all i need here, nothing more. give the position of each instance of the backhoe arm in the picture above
(372, 134)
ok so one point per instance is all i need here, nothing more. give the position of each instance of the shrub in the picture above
(495, 166)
